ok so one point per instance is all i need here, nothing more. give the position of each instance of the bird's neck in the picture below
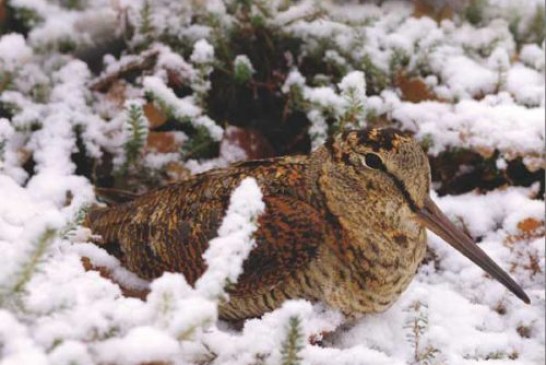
(314, 172)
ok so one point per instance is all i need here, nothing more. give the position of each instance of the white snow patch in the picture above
(13, 52)
(227, 252)
(203, 52)
(294, 78)
(141, 345)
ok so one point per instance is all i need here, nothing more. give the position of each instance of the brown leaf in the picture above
(432, 9)
(530, 225)
(163, 142)
(116, 93)
(156, 117)
(176, 171)
(529, 228)
(413, 89)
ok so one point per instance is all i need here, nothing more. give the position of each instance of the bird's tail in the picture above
(112, 196)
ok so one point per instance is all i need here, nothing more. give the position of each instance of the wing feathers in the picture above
(169, 229)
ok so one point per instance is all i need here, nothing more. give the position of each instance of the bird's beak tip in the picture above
(432, 217)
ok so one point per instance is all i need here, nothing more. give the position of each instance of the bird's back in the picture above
(169, 230)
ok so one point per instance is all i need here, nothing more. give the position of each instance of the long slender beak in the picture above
(433, 218)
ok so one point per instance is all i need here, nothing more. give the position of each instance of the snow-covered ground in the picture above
(489, 96)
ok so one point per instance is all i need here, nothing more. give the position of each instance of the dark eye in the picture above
(373, 161)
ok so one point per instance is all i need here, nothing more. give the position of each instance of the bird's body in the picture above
(339, 226)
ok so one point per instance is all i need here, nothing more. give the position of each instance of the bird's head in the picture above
(389, 155)
(394, 158)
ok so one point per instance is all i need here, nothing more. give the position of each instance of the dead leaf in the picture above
(156, 117)
(413, 89)
(163, 142)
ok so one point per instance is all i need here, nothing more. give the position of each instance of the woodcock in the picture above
(345, 225)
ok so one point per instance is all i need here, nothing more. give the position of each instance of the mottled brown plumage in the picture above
(345, 226)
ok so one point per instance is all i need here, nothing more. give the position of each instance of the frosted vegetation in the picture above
(137, 94)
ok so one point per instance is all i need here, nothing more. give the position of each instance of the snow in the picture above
(226, 253)
(354, 84)
(71, 352)
(492, 123)
(17, 346)
(203, 52)
(526, 85)
(13, 51)
(324, 97)
(169, 60)
(294, 78)
(215, 131)
(181, 108)
(318, 131)
(489, 98)
(141, 345)
(465, 77)
(532, 55)
(244, 62)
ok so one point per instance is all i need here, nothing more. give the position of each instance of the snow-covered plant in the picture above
(199, 145)
(528, 27)
(10, 291)
(181, 109)
(417, 326)
(146, 27)
(353, 90)
(69, 230)
(242, 68)
(6, 131)
(499, 61)
(202, 57)
(177, 308)
(136, 129)
(398, 60)
(293, 343)
(226, 253)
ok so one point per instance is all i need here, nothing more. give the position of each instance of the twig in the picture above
(144, 61)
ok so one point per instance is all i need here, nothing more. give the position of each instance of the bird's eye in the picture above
(373, 161)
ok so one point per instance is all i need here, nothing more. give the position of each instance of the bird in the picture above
(344, 226)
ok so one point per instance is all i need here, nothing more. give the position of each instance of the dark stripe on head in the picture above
(400, 185)
(330, 146)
